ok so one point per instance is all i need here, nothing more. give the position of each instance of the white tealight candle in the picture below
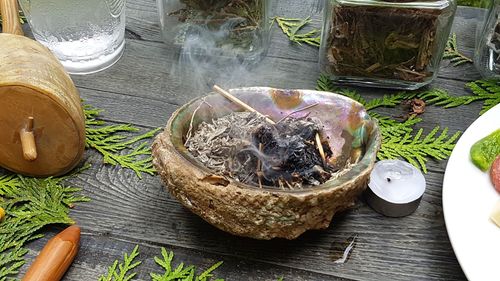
(395, 188)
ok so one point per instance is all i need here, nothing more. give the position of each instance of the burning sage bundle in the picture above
(222, 27)
(244, 146)
(384, 43)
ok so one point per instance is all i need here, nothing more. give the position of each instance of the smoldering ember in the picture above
(245, 147)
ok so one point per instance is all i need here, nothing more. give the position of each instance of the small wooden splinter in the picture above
(28, 141)
(259, 166)
(320, 148)
(239, 102)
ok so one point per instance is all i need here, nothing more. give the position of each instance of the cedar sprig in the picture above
(292, 26)
(181, 272)
(451, 52)
(121, 271)
(324, 83)
(391, 127)
(115, 146)
(416, 149)
(30, 204)
(486, 90)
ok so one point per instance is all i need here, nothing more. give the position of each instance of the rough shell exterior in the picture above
(250, 212)
(266, 213)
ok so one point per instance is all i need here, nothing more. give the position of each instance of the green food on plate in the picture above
(485, 151)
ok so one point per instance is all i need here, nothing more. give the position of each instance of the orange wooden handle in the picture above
(10, 17)
(56, 257)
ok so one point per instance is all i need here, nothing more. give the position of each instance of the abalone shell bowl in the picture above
(270, 212)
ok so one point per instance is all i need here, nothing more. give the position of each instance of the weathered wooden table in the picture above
(144, 88)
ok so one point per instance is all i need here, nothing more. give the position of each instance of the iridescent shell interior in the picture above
(352, 135)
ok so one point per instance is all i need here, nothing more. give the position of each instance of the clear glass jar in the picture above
(487, 51)
(385, 44)
(222, 28)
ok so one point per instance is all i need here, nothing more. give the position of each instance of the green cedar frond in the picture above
(416, 149)
(324, 83)
(391, 100)
(390, 127)
(487, 90)
(9, 184)
(292, 26)
(115, 147)
(30, 204)
(451, 52)
(180, 273)
(121, 271)
(442, 98)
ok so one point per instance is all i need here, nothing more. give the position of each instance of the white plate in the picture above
(468, 200)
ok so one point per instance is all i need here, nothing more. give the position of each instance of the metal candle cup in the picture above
(395, 188)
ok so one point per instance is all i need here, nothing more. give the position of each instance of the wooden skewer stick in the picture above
(320, 148)
(28, 141)
(259, 166)
(239, 102)
(56, 257)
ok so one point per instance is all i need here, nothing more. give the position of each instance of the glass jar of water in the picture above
(217, 28)
(487, 51)
(86, 36)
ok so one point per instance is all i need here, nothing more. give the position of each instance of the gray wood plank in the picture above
(98, 251)
(145, 87)
(411, 248)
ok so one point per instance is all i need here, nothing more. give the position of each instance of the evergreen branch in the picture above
(451, 52)
(416, 149)
(115, 147)
(486, 90)
(30, 204)
(180, 273)
(292, 26)
(324, 83)
(9, 184)
(442, 98)
(390, 127)
(391, 100)
(121, 271)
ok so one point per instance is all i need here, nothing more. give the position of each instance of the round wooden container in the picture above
(42, 125)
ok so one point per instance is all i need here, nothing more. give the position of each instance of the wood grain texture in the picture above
(149, 83)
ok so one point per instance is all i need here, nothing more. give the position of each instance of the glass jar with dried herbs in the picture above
(487, 51)
(387, 44)
(225, 28)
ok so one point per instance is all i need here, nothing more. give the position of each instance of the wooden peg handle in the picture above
(10, 17)
(28, 141)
